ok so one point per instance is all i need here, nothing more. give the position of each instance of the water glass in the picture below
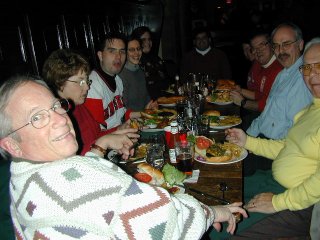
(155, 155)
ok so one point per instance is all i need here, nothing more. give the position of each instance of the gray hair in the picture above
(6, 91)
(294, 27)
(313, 41)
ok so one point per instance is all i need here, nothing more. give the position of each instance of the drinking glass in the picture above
(185, 155)
(155, 155)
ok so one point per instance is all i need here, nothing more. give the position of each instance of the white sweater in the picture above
(91, 198)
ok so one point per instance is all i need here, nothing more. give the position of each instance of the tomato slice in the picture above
(202, 143)
(143, 177)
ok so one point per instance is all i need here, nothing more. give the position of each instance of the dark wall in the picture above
(29, 33)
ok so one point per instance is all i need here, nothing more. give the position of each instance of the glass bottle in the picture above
(174, 138)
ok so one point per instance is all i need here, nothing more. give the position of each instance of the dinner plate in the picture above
(221, 127)
(167, 104)
(221, 103)
(242, 156)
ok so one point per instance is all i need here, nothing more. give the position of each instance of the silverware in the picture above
(139, 160)
(208, 195)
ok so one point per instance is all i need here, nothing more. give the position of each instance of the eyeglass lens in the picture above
(306, 69)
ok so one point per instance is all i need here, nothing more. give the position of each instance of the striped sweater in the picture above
(91, 198)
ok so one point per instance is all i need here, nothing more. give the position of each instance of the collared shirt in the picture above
(288, 95)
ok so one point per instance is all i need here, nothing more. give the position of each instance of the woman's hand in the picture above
(236, 136)
(224, 214)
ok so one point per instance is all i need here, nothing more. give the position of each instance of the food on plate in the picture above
(135, 123)
(225, 84)
(166, 179)
(151, 123)
(169, 100)
(213, 115)
(140, 152)
(172, 175)
(220, 96)
(229, 120)
(222, 120)
(216, 152)
(157, 114)
(157, 177)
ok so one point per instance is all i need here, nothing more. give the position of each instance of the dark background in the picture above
(30, 31)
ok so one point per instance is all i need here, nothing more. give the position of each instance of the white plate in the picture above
(243, 155)
(220, 127)
(151, 130)
(167, 104)
(220, 103)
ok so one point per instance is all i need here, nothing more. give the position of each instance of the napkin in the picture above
(194, 177)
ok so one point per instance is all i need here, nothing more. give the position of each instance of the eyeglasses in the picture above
(260, 47)
(82, 82)
(306, 68)
(42, 118)
(285, 45)
(138, 49)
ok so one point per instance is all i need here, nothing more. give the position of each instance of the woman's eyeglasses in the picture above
(82, 82)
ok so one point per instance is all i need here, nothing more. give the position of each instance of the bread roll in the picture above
(157, 176)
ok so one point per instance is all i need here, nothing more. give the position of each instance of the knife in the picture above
(209, 196)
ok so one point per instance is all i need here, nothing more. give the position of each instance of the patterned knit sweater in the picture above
(91, 198)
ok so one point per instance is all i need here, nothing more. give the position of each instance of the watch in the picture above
(243, 102)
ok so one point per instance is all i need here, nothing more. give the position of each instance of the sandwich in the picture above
(213, 115)
(154, 175)
(225, 84)
(216, 152)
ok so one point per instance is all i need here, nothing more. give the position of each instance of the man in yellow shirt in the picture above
(296, 165)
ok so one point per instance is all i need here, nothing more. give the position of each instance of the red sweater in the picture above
(260, 80)
(88, 128)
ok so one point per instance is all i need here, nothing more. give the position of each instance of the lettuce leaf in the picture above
(172, 175)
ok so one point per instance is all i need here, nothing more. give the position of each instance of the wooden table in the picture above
(211, 176)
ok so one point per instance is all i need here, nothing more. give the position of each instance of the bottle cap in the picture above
(174, 124)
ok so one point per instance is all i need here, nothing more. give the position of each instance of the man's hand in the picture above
(236, 97)
(152, 105)
(236, 136)
(224, 214)
(261, 203)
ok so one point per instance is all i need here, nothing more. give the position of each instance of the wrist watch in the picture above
(243, 102)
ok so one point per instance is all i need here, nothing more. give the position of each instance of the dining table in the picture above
(218, 183)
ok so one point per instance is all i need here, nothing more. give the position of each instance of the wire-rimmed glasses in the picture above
(82, 82)
(285, 45)
(306, 68)
(42, 118)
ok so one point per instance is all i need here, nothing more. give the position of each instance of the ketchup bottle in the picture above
(174, 138)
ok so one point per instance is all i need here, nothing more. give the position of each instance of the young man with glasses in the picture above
(56, 194)
(289, 93)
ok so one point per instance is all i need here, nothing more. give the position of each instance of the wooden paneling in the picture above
(27, 39)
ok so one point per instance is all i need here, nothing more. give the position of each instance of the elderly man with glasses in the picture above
(56, 194)
(285, 197)
(289, 93)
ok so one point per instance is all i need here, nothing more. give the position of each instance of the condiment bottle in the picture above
(174, 138)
